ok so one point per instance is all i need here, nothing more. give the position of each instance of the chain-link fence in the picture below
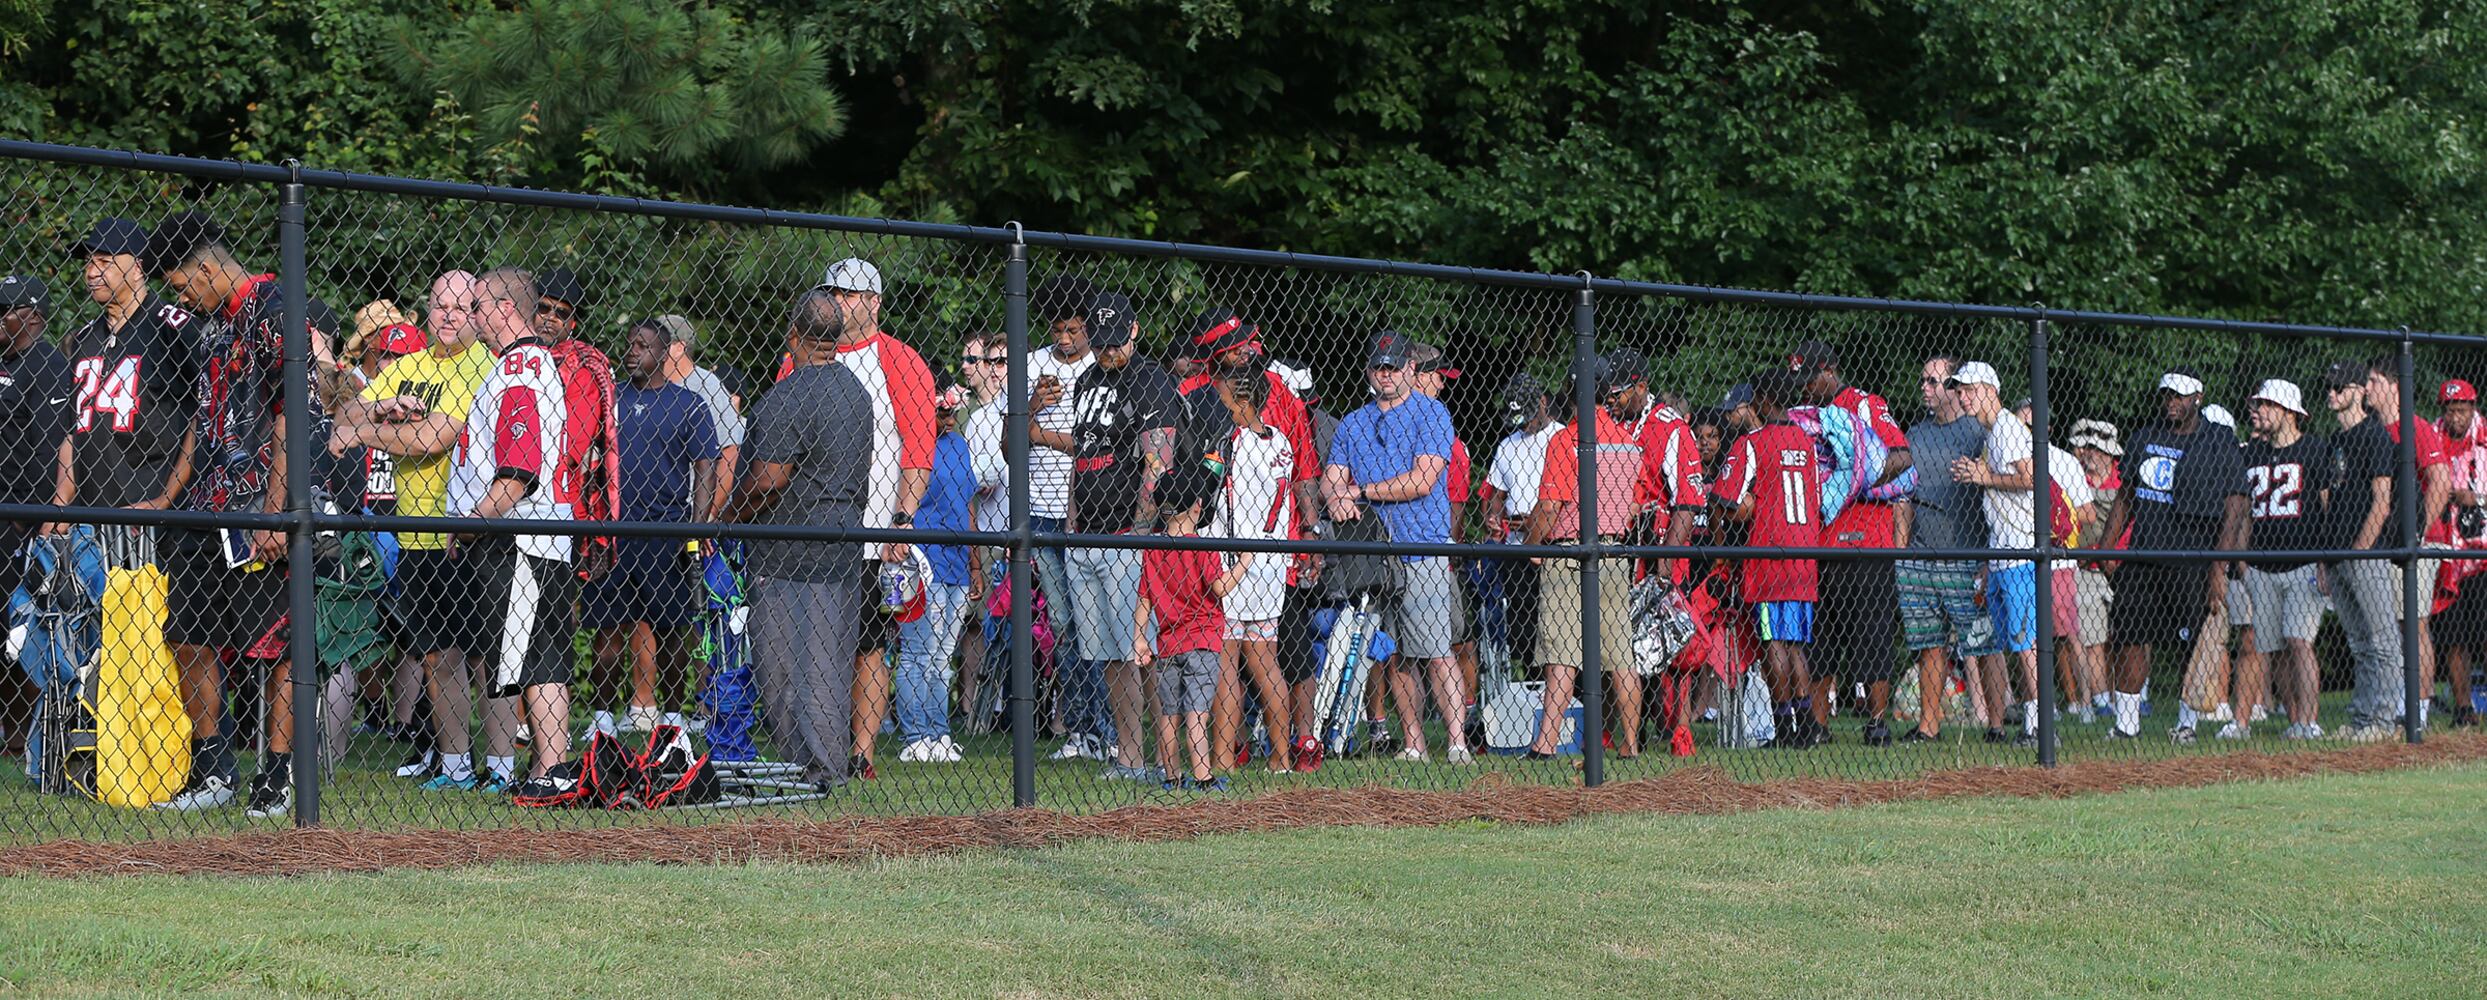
(606, 510)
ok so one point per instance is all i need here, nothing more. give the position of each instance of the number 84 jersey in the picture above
(136, 390)
(516, 430)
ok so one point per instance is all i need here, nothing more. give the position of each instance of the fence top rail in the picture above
(1013, 233)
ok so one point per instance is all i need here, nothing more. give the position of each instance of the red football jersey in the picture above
(1867, 524)
(1774, 468)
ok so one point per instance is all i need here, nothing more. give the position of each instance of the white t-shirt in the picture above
(1049, 471)
(990, 510)
(2068, 477)
(518, 423)
(2010, 522)
(1519, 462)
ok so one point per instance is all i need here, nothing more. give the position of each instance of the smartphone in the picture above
(239, 553)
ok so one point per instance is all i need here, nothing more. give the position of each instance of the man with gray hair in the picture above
(682, 368)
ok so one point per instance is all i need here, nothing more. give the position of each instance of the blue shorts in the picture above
(654, 580)
(1785, 621)
(2012, 600)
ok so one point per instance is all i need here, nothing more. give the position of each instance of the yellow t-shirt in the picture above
(448, 386)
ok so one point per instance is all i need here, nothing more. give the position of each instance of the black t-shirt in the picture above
(2361, 455)
(2288, 489)
(36, 410)
(137, 393)
(1112, 408)
(2181, 484)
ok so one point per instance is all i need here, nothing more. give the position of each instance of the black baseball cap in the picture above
(1623, 368)
(1813, 356)
(1740, 395)
(2343, 374)
(1523, 388)
(1110, 320)
(1392, 349)
(112, 237)
(25, 290)
(320, 317)
(1216, 331)
(562, 285)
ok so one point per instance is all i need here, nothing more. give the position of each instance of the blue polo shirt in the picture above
(660, 431)
(945, 507)
(1377, 445)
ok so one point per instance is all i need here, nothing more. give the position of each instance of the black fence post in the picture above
(1592, 729)
(2413, 693)
(301, 611)
(2042, 534)
(1022, 529)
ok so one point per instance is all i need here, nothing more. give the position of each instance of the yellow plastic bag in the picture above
(142, 733)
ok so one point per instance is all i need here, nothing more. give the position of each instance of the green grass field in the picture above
(2315, 887)
(363, 795)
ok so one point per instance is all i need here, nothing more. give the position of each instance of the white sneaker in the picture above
(2314, 730)
(642, 718)
(945, 751)
(2225, 713)
(603, 724)
(2235, 731)
(210, 792)
(1411, 753)
(676, 720)
(1460, 755)
(1072, 749)
(914, 753)
(2262, 713)
(418, 766)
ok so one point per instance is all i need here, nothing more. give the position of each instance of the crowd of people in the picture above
(497, 405)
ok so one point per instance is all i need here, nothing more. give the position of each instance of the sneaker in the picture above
(2079, 715)
(945, 751)
(1411, 753)
(1815, 734)
(2236, 731)
(2145, 709)
(676, 720)
(1073, 748)
(2314, 730)
(914, 753)
(1307, 754)
(1118, 772)
(545, 790)
(1994, 734)
(271, 793)
(603, 723)
(639, 719)
(1378, 742)
(2026, 741)
(2465, 717)
(2114, 733)
(2262, 713)
(2224, 713)
(1459, 755)
(2183, 735)
(860, 766)
(1169, 785)
(1212, 784)
(1875, 734)
(492, 783)
(417, 766)
(445, 783)
(1916, 735)
(204, 793)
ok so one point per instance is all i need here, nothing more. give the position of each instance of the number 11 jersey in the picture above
(1774, 468)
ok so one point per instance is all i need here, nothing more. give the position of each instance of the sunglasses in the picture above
(989, 359)
(554, 310)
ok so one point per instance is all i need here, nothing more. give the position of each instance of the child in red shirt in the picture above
(1772, 482)
(1186, 591)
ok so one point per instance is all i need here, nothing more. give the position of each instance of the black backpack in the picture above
(1380, 577)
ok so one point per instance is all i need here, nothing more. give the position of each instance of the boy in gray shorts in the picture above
(1185, 591)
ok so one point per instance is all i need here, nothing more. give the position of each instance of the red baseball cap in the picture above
(2457, 391)
(399, 338)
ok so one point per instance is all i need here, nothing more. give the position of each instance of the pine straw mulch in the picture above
(1699, 790)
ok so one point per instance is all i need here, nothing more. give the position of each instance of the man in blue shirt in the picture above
(1390, 458)
(668, 454)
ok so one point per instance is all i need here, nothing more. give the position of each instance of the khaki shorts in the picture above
(2092, 594)
(1558, 613)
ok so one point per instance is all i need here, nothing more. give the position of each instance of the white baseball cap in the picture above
(853, 274)
(2218, 414)
(2181, 384)
(2283, 394)
(1976, 373)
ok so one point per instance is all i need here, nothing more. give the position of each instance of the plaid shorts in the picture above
(1939, 608)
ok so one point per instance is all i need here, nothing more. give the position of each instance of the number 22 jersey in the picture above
(2289, 485)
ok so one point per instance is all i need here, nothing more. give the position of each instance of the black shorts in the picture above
(874, 632)
(208, 603)
(2158, 604)
(1295, 635)
(537, 600)
(1519, 579)
(651, 582)
(1856, 622)
(437, 606)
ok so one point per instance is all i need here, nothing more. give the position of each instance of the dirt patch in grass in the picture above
(1692, 791)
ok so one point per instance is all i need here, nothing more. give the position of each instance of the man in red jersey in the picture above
(1858, 626)
(1770, 481)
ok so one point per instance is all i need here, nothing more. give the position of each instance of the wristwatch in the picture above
(902, 519)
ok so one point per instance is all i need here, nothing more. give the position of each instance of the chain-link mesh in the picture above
(1377, 464)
